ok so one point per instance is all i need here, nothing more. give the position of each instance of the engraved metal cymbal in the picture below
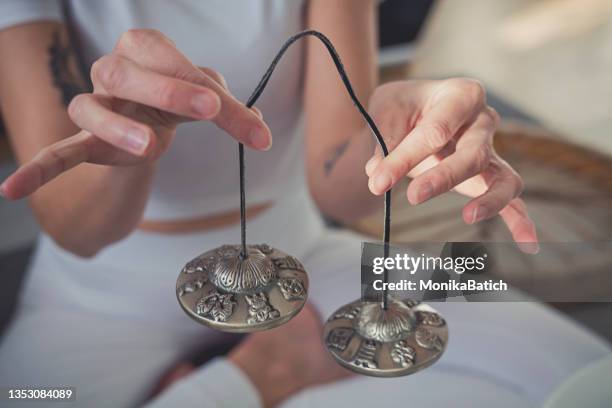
(221, 290)
(406, 337)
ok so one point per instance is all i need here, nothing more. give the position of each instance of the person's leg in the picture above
(525, 348)
(433, 388)
(109, 326)
(111, 361)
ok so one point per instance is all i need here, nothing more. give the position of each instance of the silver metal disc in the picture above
(225, 292)
(406, 337)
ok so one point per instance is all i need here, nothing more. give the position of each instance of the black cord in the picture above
(243, 253)
(347, 84)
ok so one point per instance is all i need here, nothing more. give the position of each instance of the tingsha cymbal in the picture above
(224, 291)
(404, 338)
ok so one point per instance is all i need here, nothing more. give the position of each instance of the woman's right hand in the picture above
(142, 90)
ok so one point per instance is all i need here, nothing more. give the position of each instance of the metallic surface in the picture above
(225, 292)
(405, 338)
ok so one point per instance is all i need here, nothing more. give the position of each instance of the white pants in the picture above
(111, 326)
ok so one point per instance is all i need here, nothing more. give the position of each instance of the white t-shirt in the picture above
(199, 173)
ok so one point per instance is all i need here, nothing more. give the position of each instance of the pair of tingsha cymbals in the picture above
(226, 291)
(239, 288)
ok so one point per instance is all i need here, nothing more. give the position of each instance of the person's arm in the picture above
(439, 133)
(90, 189)
(337, 143)
(91, 205)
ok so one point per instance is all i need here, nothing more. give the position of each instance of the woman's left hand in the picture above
(440, 133)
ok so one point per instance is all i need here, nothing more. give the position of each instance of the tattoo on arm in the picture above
(64, 71)
(331, 162)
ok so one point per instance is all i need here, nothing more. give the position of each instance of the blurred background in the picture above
(548, 67)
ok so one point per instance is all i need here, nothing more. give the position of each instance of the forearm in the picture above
(337, 142)
(90, 206)
(338, 181)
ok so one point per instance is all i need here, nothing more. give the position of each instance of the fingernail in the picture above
(424, 193)
(2, 191)
(381, 183)
(479, 213)
(205, 105)
(136, 141)
(529, 247)
(259, 139)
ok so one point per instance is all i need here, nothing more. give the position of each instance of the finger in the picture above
(257, 112)
(151, 49)
(472, 156)
(373, 162)
(45, 166)
(506, 185)
(392, 121)
(93, 113)
(216, 76)
(125, 79)
(220, 79)
(521, 227)
(154, 51)
(455, 105)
